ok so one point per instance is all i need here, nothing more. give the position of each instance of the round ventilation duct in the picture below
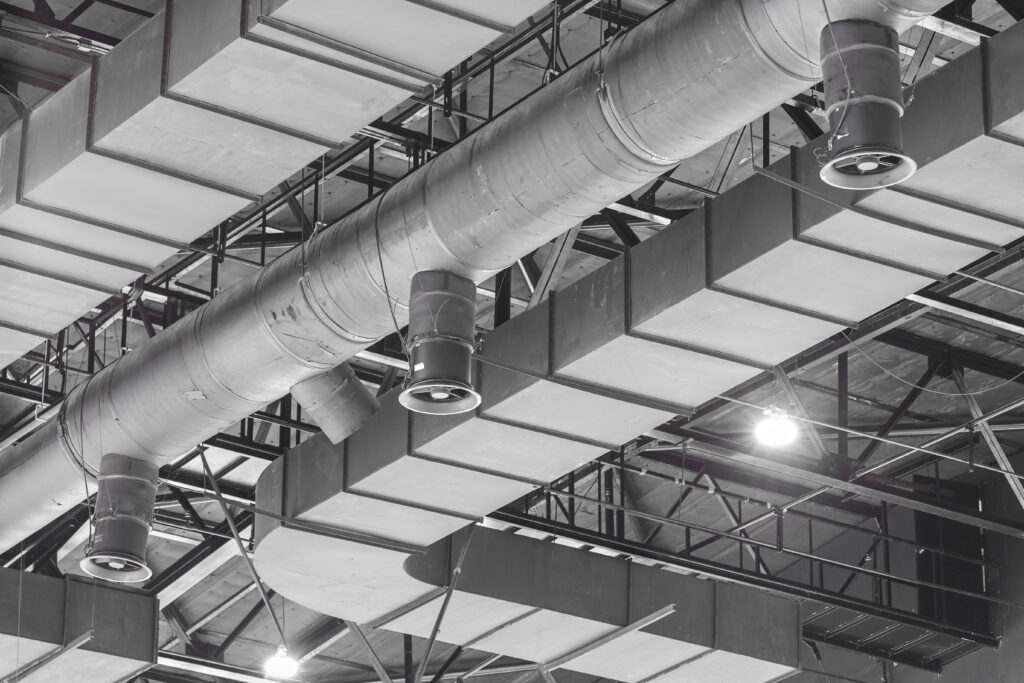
(860, 62)
(336, 401)
(124, 512)
(442, 319)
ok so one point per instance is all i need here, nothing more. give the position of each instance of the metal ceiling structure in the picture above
(892, 529)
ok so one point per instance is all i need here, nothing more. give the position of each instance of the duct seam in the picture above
(748, 29)
(268, 331)
(76, 459)
(198, 339)
(618, 127)
(429, 225)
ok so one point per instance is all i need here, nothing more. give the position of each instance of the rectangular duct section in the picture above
(755, 277)
(555, 605)
(205, 108)
(552, 604)
(59, 630)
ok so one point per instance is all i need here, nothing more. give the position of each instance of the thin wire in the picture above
(846, 73)
(728, 165)
(13, 96)
(45, 34)
(926, 389)
(208, 473)
(317, 220)
(17, 645)
(721, 158)
(807, 50)
(387, 292)
(991, 283)
(90, 508)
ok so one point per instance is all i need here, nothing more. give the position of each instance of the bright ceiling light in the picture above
(281, 665)
(775, 428)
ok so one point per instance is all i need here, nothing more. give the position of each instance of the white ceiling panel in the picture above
(405, 32)
(14, 345)
(50, 227)
(112, 191)
(53, 261)
(40, 303)
(291, 91)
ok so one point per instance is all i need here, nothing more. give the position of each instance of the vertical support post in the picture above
(620, 514)
(46, 370)
(410, 670)
(91, 344)
(810, 551)
(124, 324)
(61, 349)
(285, 433)
(609, 497)
(371, 173)
(503, 297)
(430, 123)
(490, 90)
(843, 413)
(464, 103)
(883, 526)
(447, 93)
(215, 273)
(572, 498)
(263, 239)
(766, 141)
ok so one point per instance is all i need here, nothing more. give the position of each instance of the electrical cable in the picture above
(911, 384)
(392, 303)
(241, 547)
(17, 644)
(821, 153)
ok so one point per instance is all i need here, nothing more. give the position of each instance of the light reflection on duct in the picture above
(124, 512)
(337, 402)
(442, 314)
(860, 61)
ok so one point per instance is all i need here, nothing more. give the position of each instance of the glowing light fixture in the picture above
(281, 665)
(776, 428)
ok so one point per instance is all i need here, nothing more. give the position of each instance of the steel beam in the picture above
(1016, 485)
(940, 352)
(28, 392)
(729, 573)
(709, 448)
(47, 19)
(242, 625)
(900, 412)
(375, 662)
(553, 265)
(824, 454)
(25, 672)
(754, 553)
(197, 564)
(620, 227)
(966, 309)
(1015, 8)
(324, 636)
(804, 122)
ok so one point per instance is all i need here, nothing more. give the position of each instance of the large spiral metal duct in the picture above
(679, 82)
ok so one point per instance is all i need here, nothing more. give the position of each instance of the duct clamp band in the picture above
(622, 134)
(70, 452)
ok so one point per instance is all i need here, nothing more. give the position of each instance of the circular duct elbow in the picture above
(336, 401)
(860, 61)
(124, 512)
(442, 318)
